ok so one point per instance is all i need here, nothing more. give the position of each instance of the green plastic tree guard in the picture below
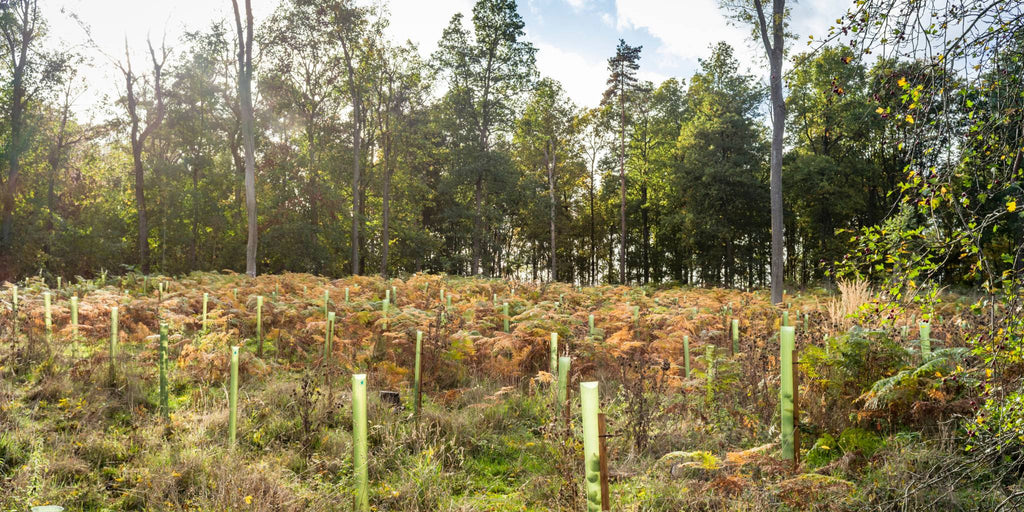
(346, 295)
(359, 442)
(259, 325)
(788, 338)
(554, 353)
(74, 316)
(394, 294)
(49, 316)
(113, 341)
(735, 335)
(165, 408)
(416, 375)
(785, 318)
(590, 324)
(385, 304)
(58, 282)
(590, 404)
(709, 357)
(686, 355)
(504, 313)
(329, 337)
(563, 379)
(636, 314)
(926, 339)
(327, 302)
(206, 304)
(233, 398)
(14, 302)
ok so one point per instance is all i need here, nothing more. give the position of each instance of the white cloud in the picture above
(582, 77)
(686, 29)
(577, 4)
(423, 22)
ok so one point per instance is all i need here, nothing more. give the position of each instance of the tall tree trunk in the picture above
(14, 150)
(774, 48)
(248, 128)
(140, 201)
(19, 35)
(593, 235)
(549, 162)
(645, 220)
(478, 218)
(385, 228)
(622, 188)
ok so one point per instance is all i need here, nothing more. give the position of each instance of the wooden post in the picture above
(606, 502)
(796, 409)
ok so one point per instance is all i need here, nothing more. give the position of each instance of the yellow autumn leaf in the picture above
(910, 119)
(1011, 205)
(902, 82)
(879, 110)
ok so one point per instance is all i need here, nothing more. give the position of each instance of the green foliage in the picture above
(856, 439)
(824, 450)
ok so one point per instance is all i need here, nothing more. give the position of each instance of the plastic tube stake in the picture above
(233, 398)
(787, 337)
(359, 442)
(590, 405)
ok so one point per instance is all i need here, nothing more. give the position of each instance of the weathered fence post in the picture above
(359, 467)
(602, 435)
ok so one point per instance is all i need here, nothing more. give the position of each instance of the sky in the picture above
(574, 38)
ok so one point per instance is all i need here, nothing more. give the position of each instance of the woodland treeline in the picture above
(467, 162)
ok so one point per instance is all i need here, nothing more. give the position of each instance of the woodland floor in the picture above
(490, 436)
